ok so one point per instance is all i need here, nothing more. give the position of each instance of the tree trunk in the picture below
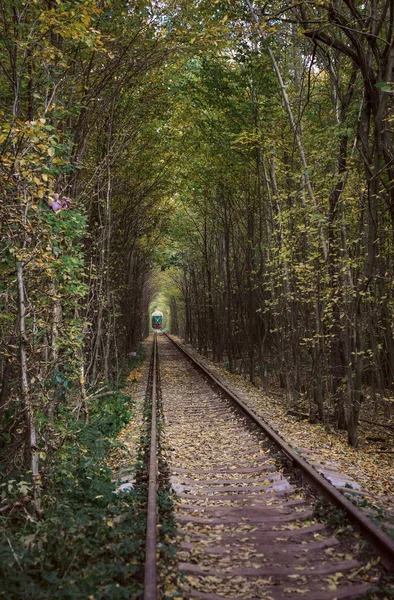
(31, 438)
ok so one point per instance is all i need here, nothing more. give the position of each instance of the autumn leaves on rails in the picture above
(243, 524)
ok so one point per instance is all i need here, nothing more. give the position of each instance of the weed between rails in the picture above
(89, 543)
(335, 518)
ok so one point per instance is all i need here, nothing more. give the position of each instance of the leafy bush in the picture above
(89, 543)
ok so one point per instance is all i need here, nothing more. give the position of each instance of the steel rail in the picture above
(382, 543)
(150, 576)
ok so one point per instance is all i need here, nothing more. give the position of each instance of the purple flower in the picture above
(57, 203)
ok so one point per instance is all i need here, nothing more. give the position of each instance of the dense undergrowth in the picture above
(75, 549)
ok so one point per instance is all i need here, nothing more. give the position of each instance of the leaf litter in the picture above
(365, 475)
(235, 558)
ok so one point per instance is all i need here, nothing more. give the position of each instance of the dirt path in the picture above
(124, 458)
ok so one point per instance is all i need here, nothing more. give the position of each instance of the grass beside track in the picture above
(89, 541)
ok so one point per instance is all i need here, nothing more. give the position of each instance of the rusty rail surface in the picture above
(382, 543)
(150, 577)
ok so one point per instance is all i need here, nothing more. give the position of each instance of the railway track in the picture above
(246, 528)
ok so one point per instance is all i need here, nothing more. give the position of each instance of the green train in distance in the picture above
(157, 319)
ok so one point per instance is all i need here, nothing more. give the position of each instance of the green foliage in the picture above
(89, 541)
(281, 261)
(167, 126)
(82, 100)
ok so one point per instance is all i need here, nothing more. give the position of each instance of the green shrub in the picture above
(89, 543)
